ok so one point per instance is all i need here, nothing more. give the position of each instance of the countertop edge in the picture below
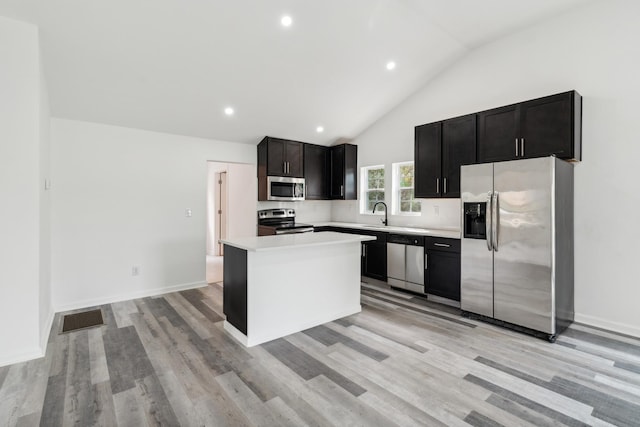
(253, 248)
(433, 232)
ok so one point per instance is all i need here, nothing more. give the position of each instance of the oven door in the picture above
(285, 188)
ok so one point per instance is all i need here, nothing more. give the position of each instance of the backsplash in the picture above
(309, 211)
(436, 213)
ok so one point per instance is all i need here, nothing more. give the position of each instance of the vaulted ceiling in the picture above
(174, 65)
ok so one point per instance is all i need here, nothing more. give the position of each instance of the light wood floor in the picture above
(402, 361)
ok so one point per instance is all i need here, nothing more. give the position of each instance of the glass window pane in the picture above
(375, 178)
(416, 207)
(405, 206)
(406, 195)
(406, 176)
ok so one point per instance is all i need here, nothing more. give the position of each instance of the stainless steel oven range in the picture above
(280, 221)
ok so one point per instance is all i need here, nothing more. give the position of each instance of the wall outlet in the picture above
(135, 270)
(436, 210)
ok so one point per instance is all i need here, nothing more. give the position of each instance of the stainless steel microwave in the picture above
(285, 188)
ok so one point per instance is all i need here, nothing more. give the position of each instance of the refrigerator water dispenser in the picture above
(475, 225)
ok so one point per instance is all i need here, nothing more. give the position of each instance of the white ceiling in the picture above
(174, 65)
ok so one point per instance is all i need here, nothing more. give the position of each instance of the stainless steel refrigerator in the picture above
(517, 243)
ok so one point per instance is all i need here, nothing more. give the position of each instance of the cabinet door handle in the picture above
(362, 244)
(522, 147)
(516, 147)
(284, 167)
(342, 191)
(442, 245)
(444, 184)
(426, 261)
(364, 247)
(437, 185)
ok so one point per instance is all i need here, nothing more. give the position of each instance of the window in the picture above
(403, 201)
(372, 187)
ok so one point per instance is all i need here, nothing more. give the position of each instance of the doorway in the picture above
(231, 210)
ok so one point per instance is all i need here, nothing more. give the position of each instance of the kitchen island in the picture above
(278, 285)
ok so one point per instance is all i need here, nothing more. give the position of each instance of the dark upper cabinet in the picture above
(547, 126)
(428, 160)
(343, 172)
(440, 149)
(280, 157)
(316, 172)
(497, 134)
(541, 127)
(458, 148)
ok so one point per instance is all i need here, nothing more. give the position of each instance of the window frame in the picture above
(395, 193)
(364, 188)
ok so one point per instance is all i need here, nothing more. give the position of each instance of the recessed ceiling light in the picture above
(319, 129)
(286, 21)
(229, 111)
(391, 65)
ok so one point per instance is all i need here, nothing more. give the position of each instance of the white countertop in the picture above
(435, 232)
(288, 241)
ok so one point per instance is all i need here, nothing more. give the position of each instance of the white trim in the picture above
(129, 296)
(365, 188)
(235, 333)
(599, 322)
(24, 356)
(44, 338)
(395, 189)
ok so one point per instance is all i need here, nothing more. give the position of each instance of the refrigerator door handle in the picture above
(487, 222)
(495, 220)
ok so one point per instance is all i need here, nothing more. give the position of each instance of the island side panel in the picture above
(297, 288)
(235, 287)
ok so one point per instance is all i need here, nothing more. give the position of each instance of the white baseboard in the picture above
(128, 296)
(24, 356)
(599, 322)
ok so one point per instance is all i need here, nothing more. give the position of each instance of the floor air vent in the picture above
(86, 319)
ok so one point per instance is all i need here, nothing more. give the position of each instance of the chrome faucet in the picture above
(384, 221)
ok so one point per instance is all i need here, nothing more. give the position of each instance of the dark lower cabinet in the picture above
(374, 258)
(442, 268)
(373, 261)
(235, 287)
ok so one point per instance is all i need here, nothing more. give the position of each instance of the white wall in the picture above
(120, 199)
(594, 50)
(19, 181)
(46, 307)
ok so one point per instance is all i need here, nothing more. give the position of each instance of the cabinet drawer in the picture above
(442, 244)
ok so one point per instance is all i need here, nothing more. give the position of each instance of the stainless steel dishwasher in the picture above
(405, 262)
